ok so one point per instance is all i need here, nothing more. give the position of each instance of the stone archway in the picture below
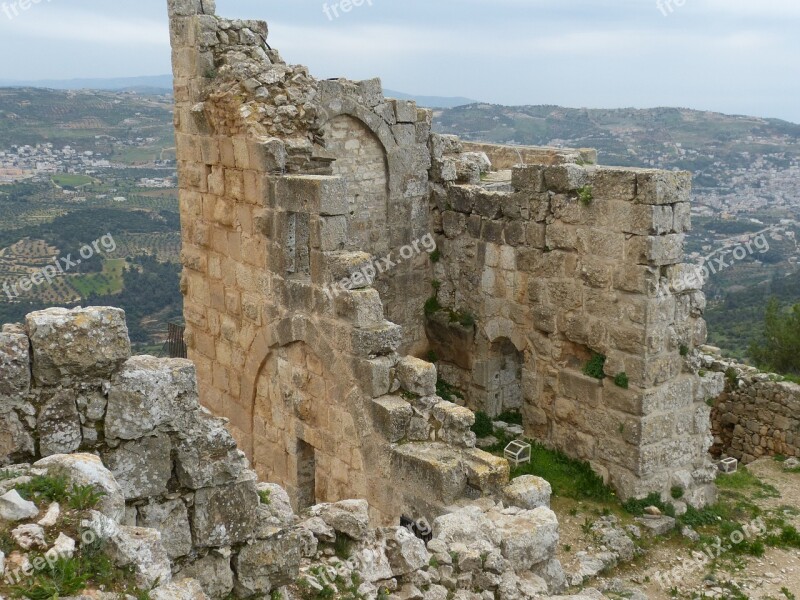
(498, 379)
(361, 161)
(304, 435)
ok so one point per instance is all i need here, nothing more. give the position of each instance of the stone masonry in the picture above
(305, 206)
(182, 509)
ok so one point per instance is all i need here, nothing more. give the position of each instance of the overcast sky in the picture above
(735, 56)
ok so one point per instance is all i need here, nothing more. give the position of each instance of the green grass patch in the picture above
(594, 368)
(108, 282)
(743, 480)
(447, 392)
(622, 381)
(71, 180)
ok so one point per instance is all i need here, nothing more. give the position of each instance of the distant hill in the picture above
(431, 101)
(154, 84)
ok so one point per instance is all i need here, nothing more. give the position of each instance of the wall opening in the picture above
(361, 162)
(297, 244)
(306, 475)
(499, 379)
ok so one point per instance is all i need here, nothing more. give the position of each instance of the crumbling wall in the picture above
(180, 501)
(558, 263)
(757, 415)
(300, 200)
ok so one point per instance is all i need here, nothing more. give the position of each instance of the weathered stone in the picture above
(15, 369)
(59, 425)
(186, 589)
(392, 415)
(207, 454)
(213, 572)
(268, 564)
(172, 520)
(143, 467)
(15, 508)
(406, 552)
(15, 440)
(225, 515)
(350, 517)
(528, 492)
(87, 469)
(149, 393)
(98, 343)
(417, 376)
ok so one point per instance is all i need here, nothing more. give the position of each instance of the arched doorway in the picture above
(361, 162)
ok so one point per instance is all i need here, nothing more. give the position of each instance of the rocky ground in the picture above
(773, 492)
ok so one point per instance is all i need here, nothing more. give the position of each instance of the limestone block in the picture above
(529, 537)
(15, 371)
(59, 425)
(528, 178)
(207, 454)
(213, 572)
(142, 467)
(148, 393)
(15, 508)
(433, 467)
(362, 308)
(663, 187)
(225, 515)
(332, 233)
(392, 415)
(268, 155)
(382, 340)
(88, 469)
(98, 343)
(350, 517)
(454, 424)
(641, 219)
(405, 551)
(682, 217)
(528, 492)
(141, 549)
(566, 178)
(485, 472)
(268, 564)
(655, 250)
(671, 396)
(374, 375)
(187, 589)
(172, 520)
(417, 376)
(405, 110)
(314, 194)
(15, 440)
(277, 512)
(609, 183)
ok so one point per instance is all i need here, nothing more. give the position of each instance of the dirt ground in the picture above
(761, 578)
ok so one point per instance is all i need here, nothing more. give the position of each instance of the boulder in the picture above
(277, 512)
(98, 343)
(142, 550)
(222, 516)
(15, 440)
(207, 454)
(14, 507)
(528, 537)
(268, 564)
(88, 469)
(405, 551)
(528, 492)
(350, 517)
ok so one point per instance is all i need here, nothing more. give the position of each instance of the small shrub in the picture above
(265, 497)
(436, 284)
(483, 425)
(84, 497)
(594, 368)
(436, 256)
(732, 377)
(432, 306)
(622, 381)
(432, 357)
(586, 195)
(44, 487)
(446, 391)
(512, 417)
(676, 492)
(343, 547)
(684, 350)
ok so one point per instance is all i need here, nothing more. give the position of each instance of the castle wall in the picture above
(562, 262)
(757, 415)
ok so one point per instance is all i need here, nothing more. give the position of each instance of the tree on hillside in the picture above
(779, 347)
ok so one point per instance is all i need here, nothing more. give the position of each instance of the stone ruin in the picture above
(183, 510)
(310, 210)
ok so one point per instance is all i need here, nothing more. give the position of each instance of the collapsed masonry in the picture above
(182, 508)
(292, 189)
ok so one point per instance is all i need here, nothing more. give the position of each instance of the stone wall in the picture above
(757, 415)
(270, 227)
(556, 263)
(180, 502)
(301, 204)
